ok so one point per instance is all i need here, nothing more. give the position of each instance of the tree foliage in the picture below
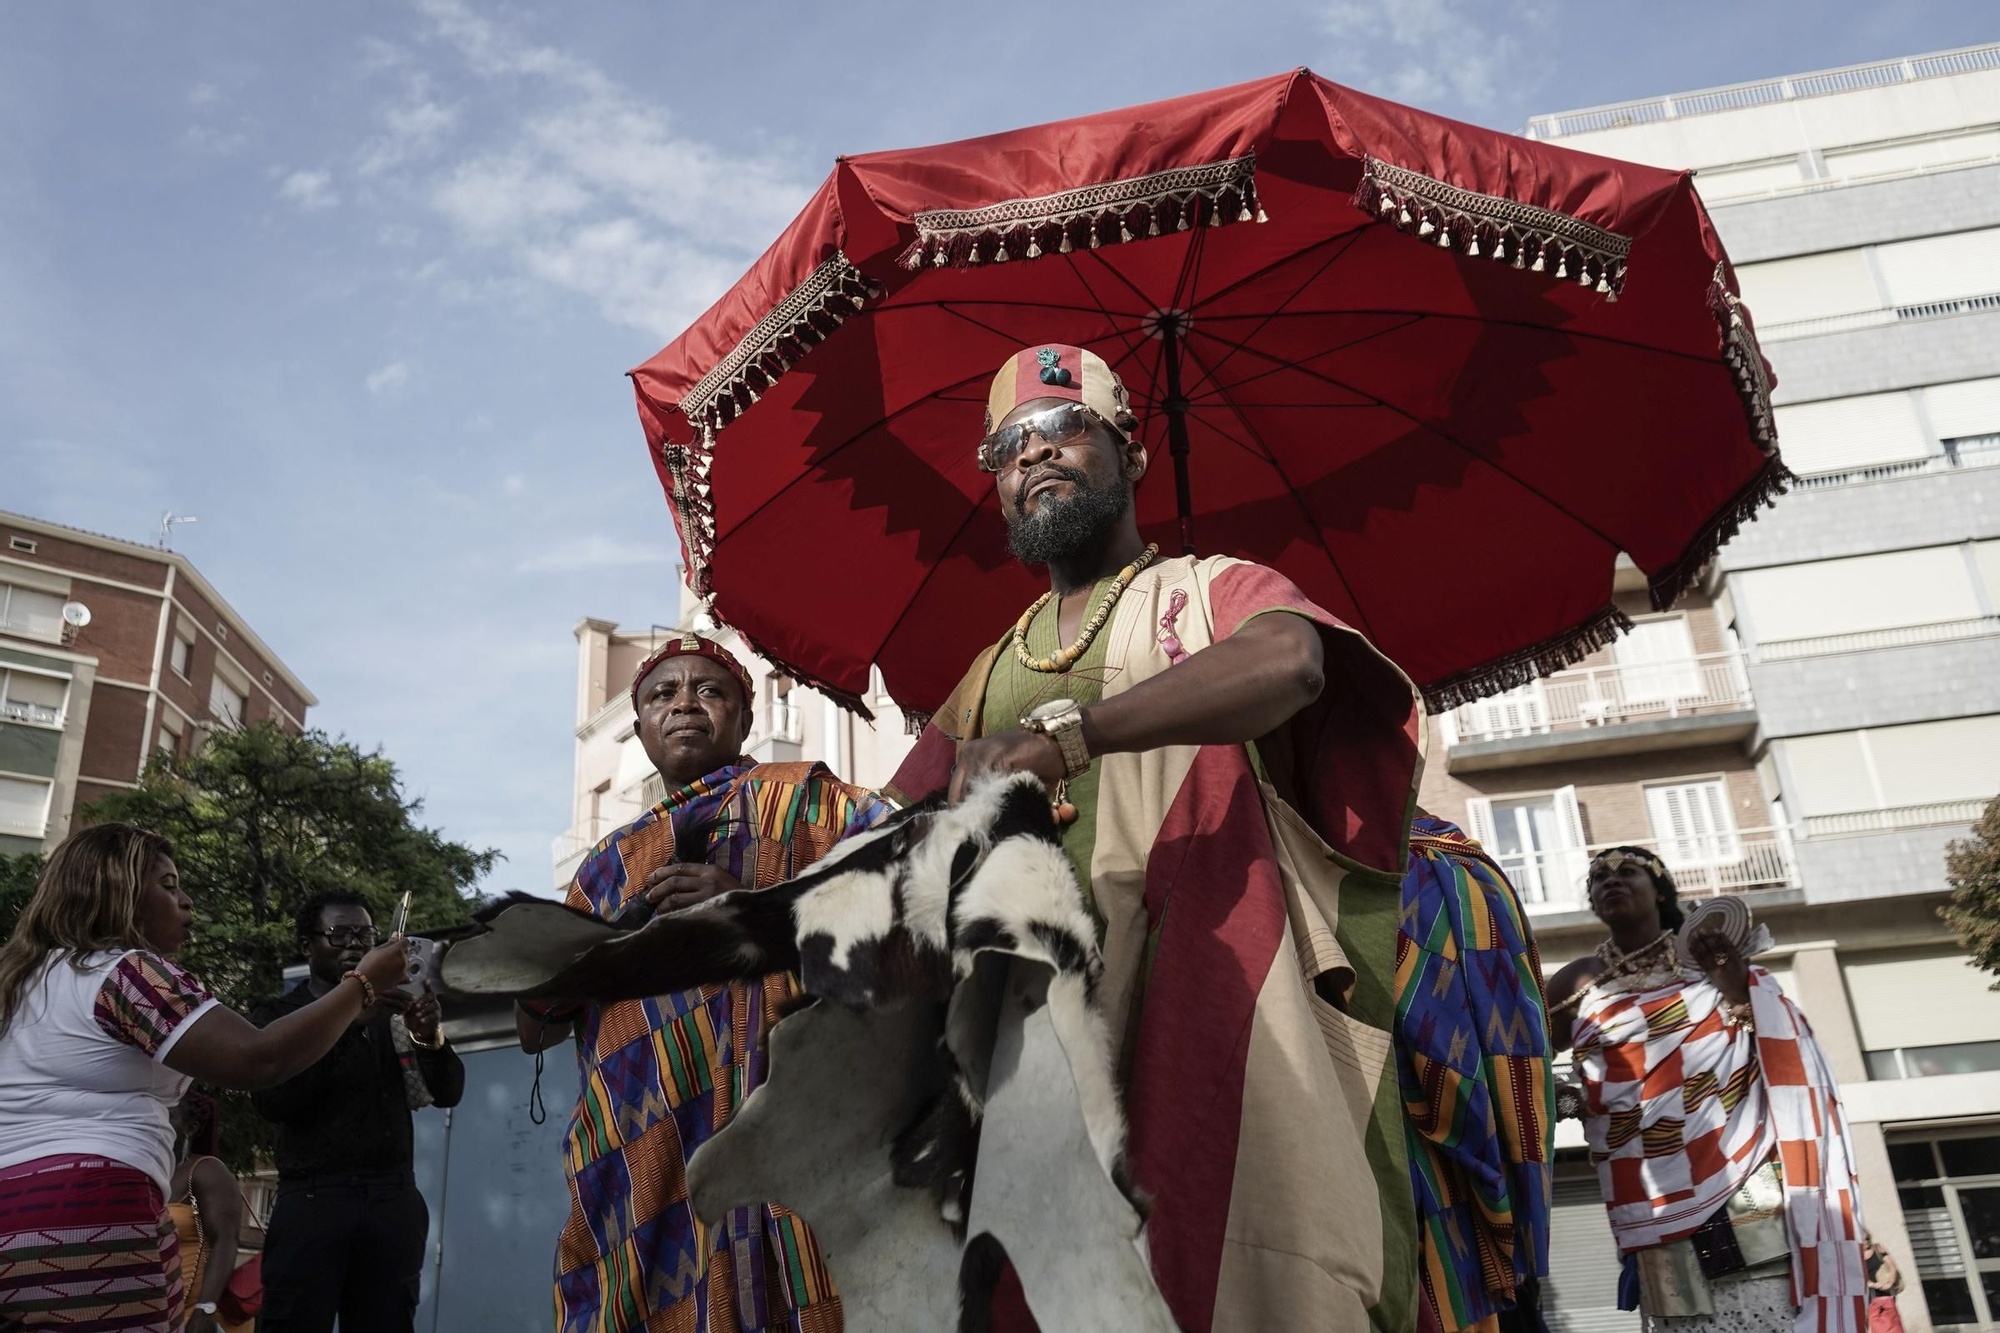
(261, 821)
(1972, 867)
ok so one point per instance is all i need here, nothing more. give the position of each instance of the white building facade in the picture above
(614, 782)
(1861, 620)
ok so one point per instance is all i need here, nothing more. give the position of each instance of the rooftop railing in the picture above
(1765, 92)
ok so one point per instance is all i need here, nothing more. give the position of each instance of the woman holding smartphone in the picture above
(100, 1034)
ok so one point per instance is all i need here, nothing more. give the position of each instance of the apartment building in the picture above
(614, 781)
(1817, 725)
(109, 651)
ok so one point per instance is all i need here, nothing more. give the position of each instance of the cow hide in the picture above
(946, 953)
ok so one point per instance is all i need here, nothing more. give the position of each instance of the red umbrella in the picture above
(1437, 375)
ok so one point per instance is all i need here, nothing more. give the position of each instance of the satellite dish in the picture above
(75, 614)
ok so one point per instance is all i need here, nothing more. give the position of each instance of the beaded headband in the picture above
(683, 645)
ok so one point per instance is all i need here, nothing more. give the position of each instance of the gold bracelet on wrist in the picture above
(367, 987)
(435, 1044)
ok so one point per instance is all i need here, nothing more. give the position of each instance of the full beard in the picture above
(1059, 529)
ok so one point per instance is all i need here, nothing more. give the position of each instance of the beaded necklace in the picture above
(1617, 965)
(1064, 658)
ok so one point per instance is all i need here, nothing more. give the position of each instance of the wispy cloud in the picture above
(596, 191)
(389, 378)
(214, 140)
(1431, 51)
(310, 190)
(203, 94)
(513, 484)
(412, 130)
(596, 552)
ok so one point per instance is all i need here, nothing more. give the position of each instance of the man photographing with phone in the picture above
(346, 1238)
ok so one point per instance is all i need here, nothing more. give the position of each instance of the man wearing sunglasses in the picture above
(1236, 770)
(346, 1237)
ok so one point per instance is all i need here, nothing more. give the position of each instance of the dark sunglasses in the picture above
(1061, 426)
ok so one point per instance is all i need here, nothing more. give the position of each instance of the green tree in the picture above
(1972, 868)
(17, 885)
(261, 821)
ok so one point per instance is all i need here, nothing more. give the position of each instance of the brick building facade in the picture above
(161, 659)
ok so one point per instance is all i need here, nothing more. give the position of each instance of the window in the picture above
(1691, 823)
(1656, 662)
(1858, 594)
(226, 703)
(1538, 841)
(30, 614)
(1923, 1012)
(24, 806)
(1836, 282)
(1837, 434)
(27, 696)
(1950, 1191)
(21, 544)
(782, 712)
(1941, 268)
(1923, 764)
(181, 655)
(169, 742)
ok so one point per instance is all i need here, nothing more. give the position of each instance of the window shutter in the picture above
(1479, 822)
(24, 806)
(1908, 998)
(1656, 661)
(1954, 760)
(1969, 407)
(1859, 593)
(1941, 268)
(1836, 434)
(1691, 823)
(1837, 282)
(1575, 860)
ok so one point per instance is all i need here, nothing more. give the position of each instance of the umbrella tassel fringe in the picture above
(1444, 214)
(1216, 194)
(1554, 654)
(1759, 493)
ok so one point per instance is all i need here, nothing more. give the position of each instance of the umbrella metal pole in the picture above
(1177, 433)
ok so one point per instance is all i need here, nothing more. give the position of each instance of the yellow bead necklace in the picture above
(1064, 658)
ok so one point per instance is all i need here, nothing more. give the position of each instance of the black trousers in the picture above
(346, 1246)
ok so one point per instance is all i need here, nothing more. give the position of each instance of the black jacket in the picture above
(349, 1112)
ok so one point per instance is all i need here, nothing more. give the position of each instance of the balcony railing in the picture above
(1703, 865)
(14, 710)
(1868, 319)
(1971, 451)
(1604, 696)
(781, 720)
(1764, 92)
(1903, 636)
(1933, 815)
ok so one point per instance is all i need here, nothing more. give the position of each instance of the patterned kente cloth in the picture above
(1248, 900)
(660, 1076)
(1681, 1106)
(86, 1246)
(1472, 1058)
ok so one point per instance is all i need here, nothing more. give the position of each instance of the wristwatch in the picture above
(204, 1307)
(1061, 720)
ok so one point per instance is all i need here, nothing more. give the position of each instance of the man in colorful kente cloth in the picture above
(660, 1076)
(1239, 770)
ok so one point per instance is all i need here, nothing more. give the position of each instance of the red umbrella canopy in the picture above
(1437, 375)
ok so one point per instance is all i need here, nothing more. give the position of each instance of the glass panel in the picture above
(1971, 1057)
(1910, 1161)
(1950, 1301)
(1885, 1064)
(1992, 1282)
(1981, 1208)
(1972, 1157)
(1920, 1196)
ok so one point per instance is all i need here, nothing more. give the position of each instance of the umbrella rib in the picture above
(1455, 443)
(1349, 236)
(804, 476)
(924, 582)
(1224, 390)
(1209, 375)
(1312, 524)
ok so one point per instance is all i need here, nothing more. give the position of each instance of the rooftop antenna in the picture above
(168, 520)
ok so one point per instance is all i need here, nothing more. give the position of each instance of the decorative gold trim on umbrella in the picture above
(1528, 665)
(1539, 240)
(1744, 359)
(796, 325)
(1213, 194)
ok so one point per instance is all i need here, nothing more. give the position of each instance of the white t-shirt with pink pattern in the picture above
(82, 1063)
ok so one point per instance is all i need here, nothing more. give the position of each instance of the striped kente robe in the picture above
(660, 1076)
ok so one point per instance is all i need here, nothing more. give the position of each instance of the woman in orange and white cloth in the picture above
(1713, 1120)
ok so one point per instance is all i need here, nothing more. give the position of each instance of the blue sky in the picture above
(357, 284)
